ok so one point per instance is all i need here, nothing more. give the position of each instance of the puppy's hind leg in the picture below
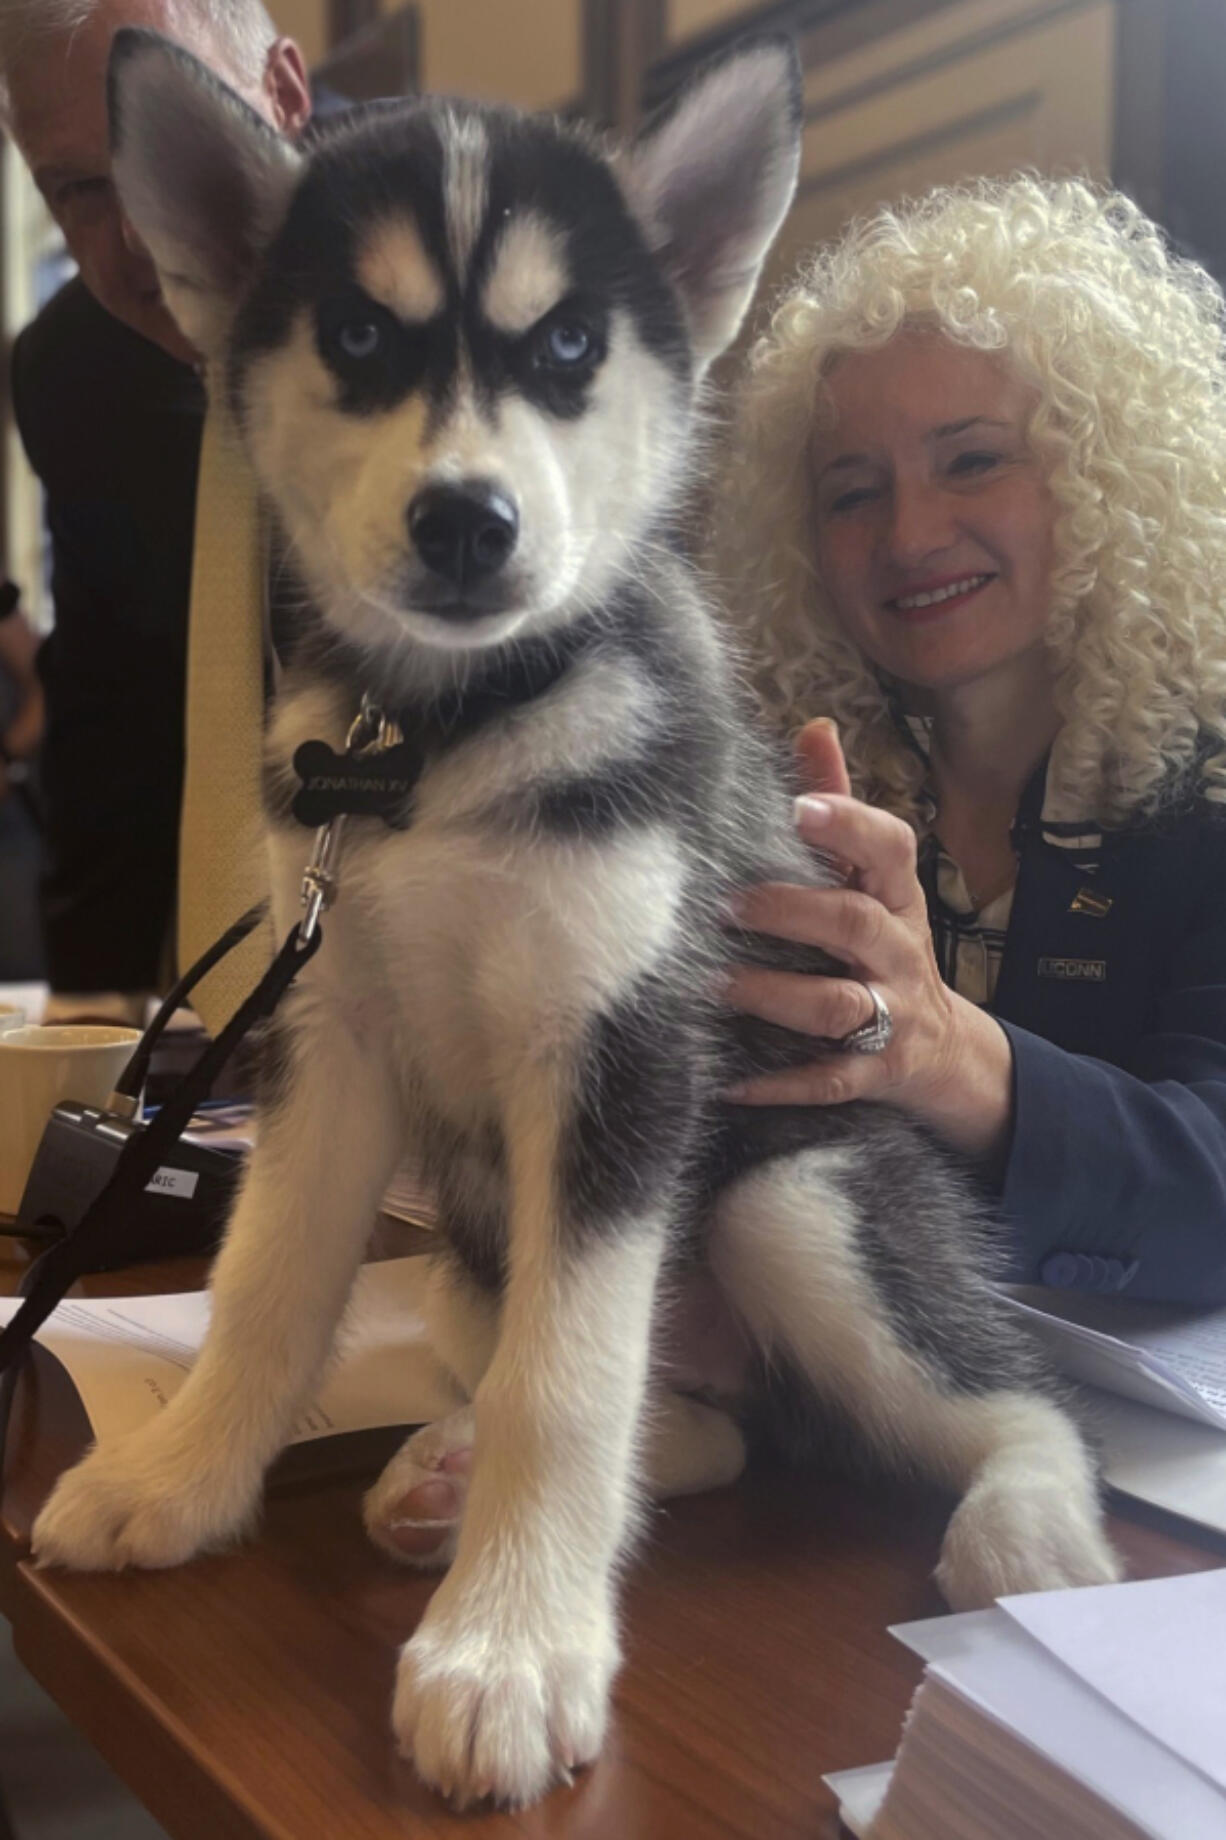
(415, 1508)
(191, 1479)
(950, 1388)
(1030, 1519)
(689, 1447)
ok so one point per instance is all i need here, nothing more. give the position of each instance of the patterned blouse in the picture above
(969, 945)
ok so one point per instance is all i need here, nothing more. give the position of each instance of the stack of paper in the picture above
(1155, 1379)
(128, 1356)
(1097, 1714)
(232, 1127)
(411, 1199)
(1173, 1359)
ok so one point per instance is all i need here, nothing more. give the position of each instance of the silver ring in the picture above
(871, 1036)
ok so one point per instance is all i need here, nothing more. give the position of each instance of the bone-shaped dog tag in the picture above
(378, 784)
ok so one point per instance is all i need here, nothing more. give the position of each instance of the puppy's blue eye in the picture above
(359, 338)
(568, 343)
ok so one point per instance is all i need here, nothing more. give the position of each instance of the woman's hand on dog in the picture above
(947, 1062)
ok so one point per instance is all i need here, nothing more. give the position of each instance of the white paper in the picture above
(232, 1127)
(1168, 1462)
(1195, 1350)
(860, 1794)
(961, 1775)
(1155, 1649)
(223, 1127)
(996, 1666)
(410, 1199)
(1154, 1380)
(32, 998)
(1177, 1366)
(128, 1356)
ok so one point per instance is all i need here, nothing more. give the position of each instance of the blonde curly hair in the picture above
(1125, 346)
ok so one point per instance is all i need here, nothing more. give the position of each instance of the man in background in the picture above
(21, 730)
(110, 406)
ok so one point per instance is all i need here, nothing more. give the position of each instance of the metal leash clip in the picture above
(319, 878)
(370, 732)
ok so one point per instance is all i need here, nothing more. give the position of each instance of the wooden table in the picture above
(248, 1695)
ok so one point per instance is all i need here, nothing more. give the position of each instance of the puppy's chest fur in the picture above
(561, 863)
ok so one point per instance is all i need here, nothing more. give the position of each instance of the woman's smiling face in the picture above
(934, 521)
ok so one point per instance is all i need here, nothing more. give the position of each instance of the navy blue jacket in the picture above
(1112, 992)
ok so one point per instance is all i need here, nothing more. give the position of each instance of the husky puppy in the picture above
(463, 348)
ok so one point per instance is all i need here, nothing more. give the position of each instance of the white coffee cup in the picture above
(39, 1067)
(11, 1016)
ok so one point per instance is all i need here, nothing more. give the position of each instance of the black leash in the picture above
(107, 1233)
(104, 1236)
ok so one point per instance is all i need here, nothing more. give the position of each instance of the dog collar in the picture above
(385, 755)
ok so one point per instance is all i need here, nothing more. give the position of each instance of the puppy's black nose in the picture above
(463, 532)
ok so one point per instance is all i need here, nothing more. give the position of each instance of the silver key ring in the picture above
(871, 1036)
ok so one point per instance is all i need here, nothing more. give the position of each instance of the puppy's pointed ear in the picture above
(713, 181)
(202, 178)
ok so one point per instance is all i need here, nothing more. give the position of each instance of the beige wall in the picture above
(979, 87)
(687, 18)
(305, 20)
(28, 234)
(524, 51)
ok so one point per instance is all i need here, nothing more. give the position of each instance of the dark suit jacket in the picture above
(1116, 1177)
(112, 428)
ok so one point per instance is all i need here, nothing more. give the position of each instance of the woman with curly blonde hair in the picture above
(974, 514)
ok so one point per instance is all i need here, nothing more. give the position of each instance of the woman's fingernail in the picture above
(810, 814)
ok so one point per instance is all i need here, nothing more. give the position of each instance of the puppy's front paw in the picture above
(483, 1715)
(129, 1503)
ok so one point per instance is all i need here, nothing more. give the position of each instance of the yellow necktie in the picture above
(223, 867)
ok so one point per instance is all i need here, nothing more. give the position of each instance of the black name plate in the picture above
(375, 785)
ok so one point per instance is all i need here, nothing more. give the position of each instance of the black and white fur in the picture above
(518, 980)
